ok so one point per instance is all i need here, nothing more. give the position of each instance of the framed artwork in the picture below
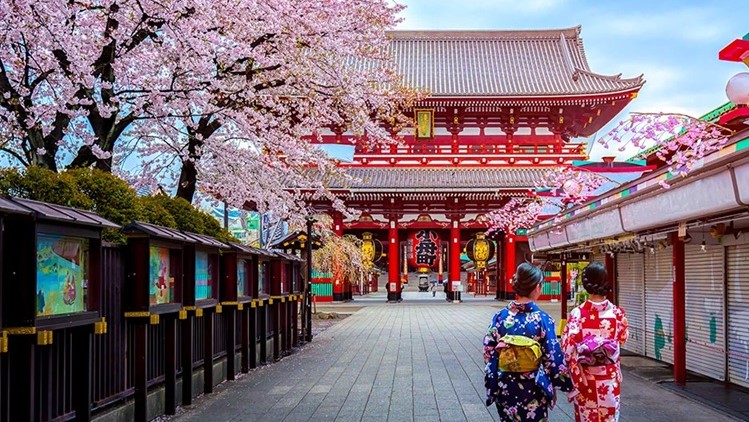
(424, 119)
(241, 277)
(262, 286)
(161, 288)
(61, 274)
(203, 276)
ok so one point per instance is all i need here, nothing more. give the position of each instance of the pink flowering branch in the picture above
(515, 214)
(574, 186)
(681, 140)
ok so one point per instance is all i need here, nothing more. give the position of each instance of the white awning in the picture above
(719, 185)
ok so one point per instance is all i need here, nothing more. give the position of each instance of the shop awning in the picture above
(717, 185)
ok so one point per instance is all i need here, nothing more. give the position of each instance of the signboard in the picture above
(393, 288)
(457, 286)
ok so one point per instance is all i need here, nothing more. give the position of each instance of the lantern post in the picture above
(307, 323)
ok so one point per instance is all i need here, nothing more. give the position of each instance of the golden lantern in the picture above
(480, 250)
(371, 248)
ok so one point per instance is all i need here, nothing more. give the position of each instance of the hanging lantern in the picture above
(572, 188)
(371, 248)
(423, 248)
(480, 250)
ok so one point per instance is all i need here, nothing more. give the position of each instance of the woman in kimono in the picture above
(524, 396)
(591, 342)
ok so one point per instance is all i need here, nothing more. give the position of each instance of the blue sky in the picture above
(674, 44)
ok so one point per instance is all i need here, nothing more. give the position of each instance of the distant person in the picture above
(524, 362)
(592, 338)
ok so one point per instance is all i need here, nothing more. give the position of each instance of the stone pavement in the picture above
(402, 362)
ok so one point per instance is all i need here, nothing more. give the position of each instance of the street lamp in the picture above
(308, 286)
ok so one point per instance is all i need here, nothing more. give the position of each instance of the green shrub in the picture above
(44, 185)
(111, 198)
(151, 210)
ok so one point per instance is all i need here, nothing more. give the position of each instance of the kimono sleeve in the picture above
(622, 332)
(553, 358)
(572, 336)
(490, 339)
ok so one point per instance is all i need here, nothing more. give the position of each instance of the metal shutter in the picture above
(659, 305)
(738, 314)
(598, 257)
(704, 274)
(630, 283)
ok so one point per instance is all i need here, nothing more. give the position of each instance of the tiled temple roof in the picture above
(449, 179)
(501, 64)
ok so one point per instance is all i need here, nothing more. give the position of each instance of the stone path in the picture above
(401, 362)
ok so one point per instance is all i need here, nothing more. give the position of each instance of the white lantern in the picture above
(737, 89)
(572, 188)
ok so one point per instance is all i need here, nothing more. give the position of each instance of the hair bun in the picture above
(526, 278)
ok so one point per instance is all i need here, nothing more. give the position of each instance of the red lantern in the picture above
(423, 250)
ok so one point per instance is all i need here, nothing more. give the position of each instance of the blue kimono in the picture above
(524, 396)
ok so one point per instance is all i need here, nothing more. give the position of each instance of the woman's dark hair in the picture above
(595, 280)
(526, 278)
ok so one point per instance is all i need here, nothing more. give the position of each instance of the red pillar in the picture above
(393, 286)
(565, 290)
(509, 252)
(338, 283)
(454, 259)
(680, 341)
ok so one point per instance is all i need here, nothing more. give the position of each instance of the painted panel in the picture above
(241, 277)
(203, 276)
(161, 287)
(61, 274)
(700, 198)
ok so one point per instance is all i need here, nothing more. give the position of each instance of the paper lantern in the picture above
(371, 248)
(423, 249)
(737, 89)
(480, 250)
(572, 188)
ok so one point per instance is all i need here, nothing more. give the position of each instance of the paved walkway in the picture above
(402, 362)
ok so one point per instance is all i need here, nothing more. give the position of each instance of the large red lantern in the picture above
(423, 250)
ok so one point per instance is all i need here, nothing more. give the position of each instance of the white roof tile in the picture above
(501, 63)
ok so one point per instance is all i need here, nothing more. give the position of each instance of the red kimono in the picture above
(598, 386)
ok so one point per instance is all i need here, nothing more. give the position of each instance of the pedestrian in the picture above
(592, 338)
(524, 362)
(433, 288)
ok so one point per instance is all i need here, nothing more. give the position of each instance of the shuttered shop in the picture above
(738, 314)
(631, 297)
(704, 274)
(659, 305)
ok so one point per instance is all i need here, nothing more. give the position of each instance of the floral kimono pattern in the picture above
(524, 396)
(598, 387)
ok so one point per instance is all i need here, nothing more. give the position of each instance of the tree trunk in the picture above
(188, 176)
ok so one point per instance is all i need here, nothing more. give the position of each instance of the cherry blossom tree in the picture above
(214, 92)
(679, 140)
(341, 256)
(75, 75)
(308, 66)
